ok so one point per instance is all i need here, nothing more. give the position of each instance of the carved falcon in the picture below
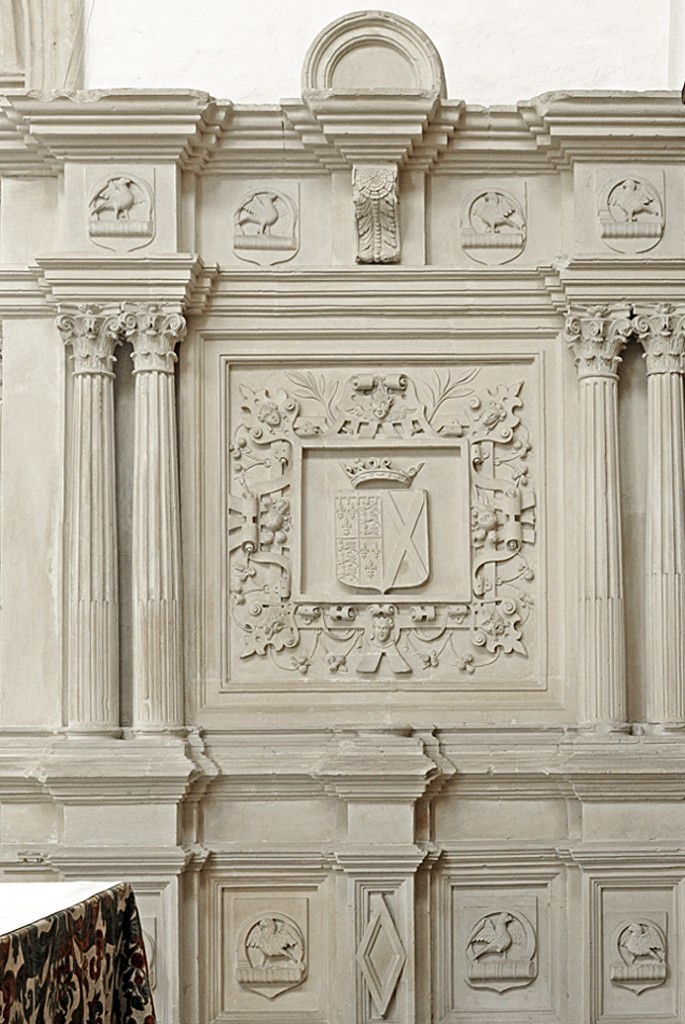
(117, 197)
(496, 935)
(260, 209)
(275, 939)
(494, 212)
(631, 198)
(642, 941)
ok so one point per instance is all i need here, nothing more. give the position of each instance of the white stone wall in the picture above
(345, 609)
(494, 51)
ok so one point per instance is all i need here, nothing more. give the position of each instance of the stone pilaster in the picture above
(661, 331)
(154, 332)
(92, 595)
(596, 336)
(381, 775)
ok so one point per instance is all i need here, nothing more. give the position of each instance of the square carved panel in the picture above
(380, 523)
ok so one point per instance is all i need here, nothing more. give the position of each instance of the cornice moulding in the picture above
(605, 126)
(103, 126)
(72, 861)
(600, 280)
(180, 279)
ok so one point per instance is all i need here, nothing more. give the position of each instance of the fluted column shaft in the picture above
(92, 591)
(661, 331)
(156, 544)
(596, 336)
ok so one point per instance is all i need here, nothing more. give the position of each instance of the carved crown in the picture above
(367, 471)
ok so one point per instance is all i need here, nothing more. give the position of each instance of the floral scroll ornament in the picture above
(380, 527)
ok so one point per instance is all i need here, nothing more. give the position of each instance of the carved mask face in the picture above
(382, 629)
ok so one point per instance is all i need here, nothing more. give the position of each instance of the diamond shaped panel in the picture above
(381, 957)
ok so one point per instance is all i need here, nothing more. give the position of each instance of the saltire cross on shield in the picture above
(381, 538)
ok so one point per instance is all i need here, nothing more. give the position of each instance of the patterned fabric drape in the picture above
(83, 965)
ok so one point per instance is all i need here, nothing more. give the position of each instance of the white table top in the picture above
(22, 903)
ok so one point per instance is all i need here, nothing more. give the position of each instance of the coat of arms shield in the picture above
(381, 538)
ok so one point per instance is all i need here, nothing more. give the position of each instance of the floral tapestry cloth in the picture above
(83, 965)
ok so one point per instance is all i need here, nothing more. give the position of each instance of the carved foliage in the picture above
(93, 332)
(382, 529)
(501, 952)
(661, 331)
(596, 336)
(270, 954)
(376, 209)
(154, 333)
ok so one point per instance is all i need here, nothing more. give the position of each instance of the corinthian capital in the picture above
(596, 335)
(154, 331)
(661, 332)
(93, 332)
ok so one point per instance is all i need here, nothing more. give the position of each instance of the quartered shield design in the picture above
(381, 539)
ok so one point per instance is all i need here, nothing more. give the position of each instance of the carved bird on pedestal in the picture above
(495, 212)
(116, 197)
(641, 940)
(260, 209)
(276, 939)
(496, 935)
(632, 198)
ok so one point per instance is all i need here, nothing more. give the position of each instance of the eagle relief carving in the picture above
(641, 948)
(501, 952)
(270, 954)
(265, 227)
(120, 213)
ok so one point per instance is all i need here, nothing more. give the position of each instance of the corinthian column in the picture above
(661, 331)
(93, 614)
(596, 336)
(157, 650)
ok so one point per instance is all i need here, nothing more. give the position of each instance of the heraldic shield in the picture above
(381, 538)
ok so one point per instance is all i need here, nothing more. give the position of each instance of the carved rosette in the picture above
(93, 623)
(376, 208)
(392, 591)
(661, 331)
(157, 645)
(596, 336)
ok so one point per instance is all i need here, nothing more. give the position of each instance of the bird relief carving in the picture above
(120, 213)
(641, 947)
(270, 954)
(630, 215)
(265, 227)
(493, 227)
(501, 952)
(376, 209)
